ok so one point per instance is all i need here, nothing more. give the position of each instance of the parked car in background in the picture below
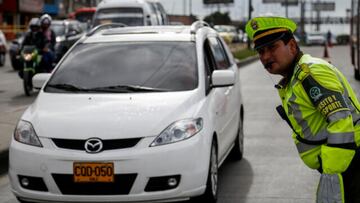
(14, 51)
(315, 38)
(130, 13)
(343, 39)
(228, 32)
(67, 33)
(158, 8)
(84, 15)
(150, 130)
(3, 48)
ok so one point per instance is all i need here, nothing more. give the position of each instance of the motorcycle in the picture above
(31, 61)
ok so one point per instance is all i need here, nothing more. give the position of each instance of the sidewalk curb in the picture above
(247, 61)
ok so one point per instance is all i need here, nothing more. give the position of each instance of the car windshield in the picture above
(127, 15)
(125, 67)
(59, 29)
(129, 21)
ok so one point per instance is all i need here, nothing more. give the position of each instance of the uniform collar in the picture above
(285, 81)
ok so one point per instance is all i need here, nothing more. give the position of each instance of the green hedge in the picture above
(244, 53)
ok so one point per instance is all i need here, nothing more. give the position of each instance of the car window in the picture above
(210, 63)
(129, 20)
(127, 16)
(166, 65)
(59, 29)
(222, 62)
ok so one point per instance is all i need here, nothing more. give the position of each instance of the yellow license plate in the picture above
(93, 172)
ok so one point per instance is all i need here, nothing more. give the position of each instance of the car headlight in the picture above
(178, 131)
(25, 133)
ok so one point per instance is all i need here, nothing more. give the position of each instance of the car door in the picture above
(226, 126)
(234, 96)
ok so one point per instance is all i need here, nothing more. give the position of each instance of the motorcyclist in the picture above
(46, 43)
(30, 37)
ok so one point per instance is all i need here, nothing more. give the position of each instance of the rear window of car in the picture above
(168, 66)
(130, 16)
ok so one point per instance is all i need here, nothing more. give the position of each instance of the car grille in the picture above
(121, 186)
(107, 144)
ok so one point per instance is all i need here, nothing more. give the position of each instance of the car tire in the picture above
(2, 59)
(238, 151)
(27, 83)
(357, 74)
(211, 191)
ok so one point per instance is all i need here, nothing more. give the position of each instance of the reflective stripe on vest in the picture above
(338, 115)
(302, 147)
(330, 189)
(341, 138)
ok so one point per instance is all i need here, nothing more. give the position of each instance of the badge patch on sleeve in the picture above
(325, 100)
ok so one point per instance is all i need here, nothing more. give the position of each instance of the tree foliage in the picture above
(218, 18)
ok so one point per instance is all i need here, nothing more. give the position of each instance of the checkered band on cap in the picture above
(268, 23)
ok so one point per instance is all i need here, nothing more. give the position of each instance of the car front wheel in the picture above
(211, 191)
(238, 150)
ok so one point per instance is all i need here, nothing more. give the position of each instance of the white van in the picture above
(130, 13)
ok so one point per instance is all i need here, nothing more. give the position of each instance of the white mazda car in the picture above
(131, 114)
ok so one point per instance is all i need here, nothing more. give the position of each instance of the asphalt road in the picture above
(271, 171)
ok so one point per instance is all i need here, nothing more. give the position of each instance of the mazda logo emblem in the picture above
(93, 145)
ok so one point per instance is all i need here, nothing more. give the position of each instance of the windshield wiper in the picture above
(128, 88)
(68, 87)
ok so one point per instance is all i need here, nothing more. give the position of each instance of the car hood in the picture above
(75, 116)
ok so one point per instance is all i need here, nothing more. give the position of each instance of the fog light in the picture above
(32, 183)
(162, 183)
(172, 182)
(25, 182)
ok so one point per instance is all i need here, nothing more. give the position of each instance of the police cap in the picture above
(267, 30)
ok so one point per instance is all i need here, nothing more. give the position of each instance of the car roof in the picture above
(144, 33)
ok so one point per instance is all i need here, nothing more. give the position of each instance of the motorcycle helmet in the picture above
(45, 20)
(34, 24)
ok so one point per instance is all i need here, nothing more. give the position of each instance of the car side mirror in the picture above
(39, 79)
(223, 78)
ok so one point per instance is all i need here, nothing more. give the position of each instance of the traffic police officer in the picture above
(318, 104)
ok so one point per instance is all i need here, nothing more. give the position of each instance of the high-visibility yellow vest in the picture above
(323, 111)
(322, 108)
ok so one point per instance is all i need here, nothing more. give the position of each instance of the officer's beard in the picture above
(268, 65)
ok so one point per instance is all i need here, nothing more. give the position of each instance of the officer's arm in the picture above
(326, 93)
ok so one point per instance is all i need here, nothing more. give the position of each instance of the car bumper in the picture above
(188, 159)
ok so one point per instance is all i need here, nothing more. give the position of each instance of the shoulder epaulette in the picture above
(302, 71)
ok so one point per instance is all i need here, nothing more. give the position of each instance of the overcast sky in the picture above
(239, 9)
